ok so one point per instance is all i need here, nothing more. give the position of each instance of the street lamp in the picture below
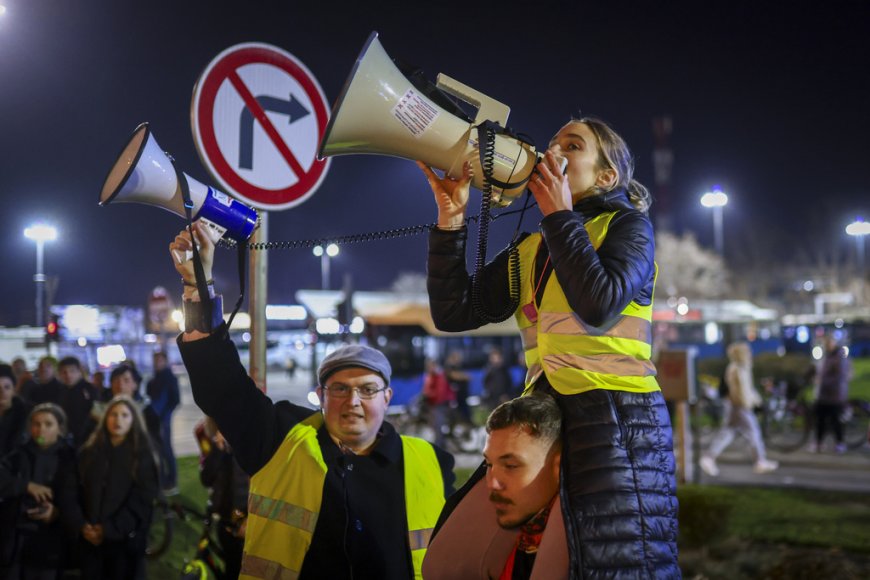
(331, 252)
(716, 199)
(40, 233)
(859, 229)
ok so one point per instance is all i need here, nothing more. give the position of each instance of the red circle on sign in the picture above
(224, 68)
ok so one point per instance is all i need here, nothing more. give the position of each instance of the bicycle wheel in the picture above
(855, 419)
(196, 570)
(160, 532)
(788, 429)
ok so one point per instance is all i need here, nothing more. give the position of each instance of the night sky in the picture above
(769, 103)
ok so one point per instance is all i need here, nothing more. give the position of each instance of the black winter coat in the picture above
(37, 544)
(13, 426)
(117, 490)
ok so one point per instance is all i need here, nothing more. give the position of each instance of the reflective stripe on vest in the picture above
(574, 355)
(286, 496)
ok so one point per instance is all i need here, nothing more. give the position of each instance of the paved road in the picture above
(847, 472)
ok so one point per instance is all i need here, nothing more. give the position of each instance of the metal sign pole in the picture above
(258, 276)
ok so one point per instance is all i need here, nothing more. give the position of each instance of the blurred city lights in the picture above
(313, 400)
(818, 352)
(803, 334)
(111, 355)
(41, 232)
(715, 198)
(2, 10)
(286, 312)
(858, 228)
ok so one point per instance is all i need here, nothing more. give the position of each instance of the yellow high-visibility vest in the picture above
(286, 495)
(576, 356)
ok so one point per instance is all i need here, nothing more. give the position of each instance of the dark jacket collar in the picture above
(597, 204)
(388, 446)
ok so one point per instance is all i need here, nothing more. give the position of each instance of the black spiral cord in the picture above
(486, 139)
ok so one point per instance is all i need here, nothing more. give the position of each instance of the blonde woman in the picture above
(739, 417)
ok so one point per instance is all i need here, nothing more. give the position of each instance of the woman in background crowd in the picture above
(118, 473)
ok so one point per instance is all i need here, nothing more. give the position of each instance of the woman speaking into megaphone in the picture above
(584, 312)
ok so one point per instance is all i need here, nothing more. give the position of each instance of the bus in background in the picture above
(711, 325)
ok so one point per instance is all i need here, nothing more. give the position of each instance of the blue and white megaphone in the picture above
(144, 174)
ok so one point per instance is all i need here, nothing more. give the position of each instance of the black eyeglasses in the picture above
(344, 391)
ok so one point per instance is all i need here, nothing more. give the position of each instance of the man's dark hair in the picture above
(538, 413)
(69, 361)
(125, 368)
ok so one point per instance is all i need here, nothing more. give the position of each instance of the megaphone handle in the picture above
(198, 272)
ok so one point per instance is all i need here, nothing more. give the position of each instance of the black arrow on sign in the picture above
(292, 108)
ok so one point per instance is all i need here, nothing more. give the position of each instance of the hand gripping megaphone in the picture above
(380, 111)
(145, 174)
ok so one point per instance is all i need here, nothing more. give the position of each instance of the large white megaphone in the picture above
(381, 112)
(144, 174)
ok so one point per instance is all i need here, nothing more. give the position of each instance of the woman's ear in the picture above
(606, 178)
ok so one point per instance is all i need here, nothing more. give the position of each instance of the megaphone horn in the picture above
(144, 174)
(381, 112)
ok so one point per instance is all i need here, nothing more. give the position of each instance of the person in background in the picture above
(163, 392)
(228, 486)
(13, 412)
(98, 379)
(125, 380)
(118, 486)
(45, 387)
(438, 396)
(498, 385)
(37, 487)
(19, 367)
(739, 416)
(459, 381)
(77, 399)
(520, 530)
(832, 394)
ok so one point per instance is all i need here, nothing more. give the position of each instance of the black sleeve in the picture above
(449, 284)
(13, 483)
(211, 466)
(248, 419)
(135, 513)
(599, 284)
(446, 461)
(67, 494)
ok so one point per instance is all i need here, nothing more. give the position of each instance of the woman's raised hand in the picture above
(451, 196)
(550, 186)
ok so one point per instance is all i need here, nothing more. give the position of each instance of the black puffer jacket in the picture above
(618, 487)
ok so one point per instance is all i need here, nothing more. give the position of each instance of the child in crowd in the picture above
(118, 474)
(37, 485)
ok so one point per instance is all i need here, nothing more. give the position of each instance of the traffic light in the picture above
(52, 329)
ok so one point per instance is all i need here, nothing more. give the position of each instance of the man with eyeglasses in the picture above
(334, 494)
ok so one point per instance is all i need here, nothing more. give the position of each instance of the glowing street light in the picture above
(330, 252)
(859, 229)
(40, 233)
(716, 199)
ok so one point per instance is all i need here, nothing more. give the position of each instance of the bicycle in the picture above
(161, 530)
(788, 423)
(209, 557)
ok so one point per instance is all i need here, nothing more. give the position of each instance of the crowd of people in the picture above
(81, 465)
